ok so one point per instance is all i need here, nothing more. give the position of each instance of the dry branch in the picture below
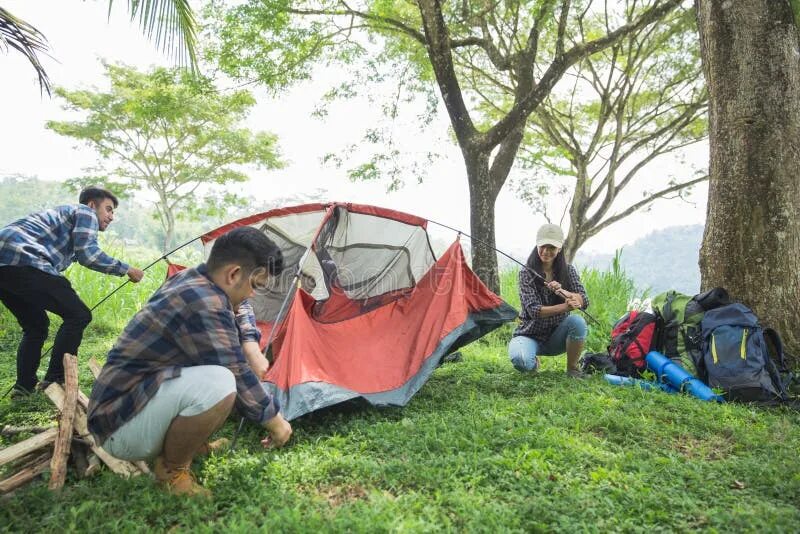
(94, 366)
(9, 431)
(58, 466)
(18, 450)
(28, 472)
(120, 467)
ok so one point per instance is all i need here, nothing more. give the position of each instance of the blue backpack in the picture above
(736, 356)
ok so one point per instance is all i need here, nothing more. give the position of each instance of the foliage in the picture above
(614, 116)
(480, 448)
(463, 46)
(172, 133)
(26, 39)
(171, 22)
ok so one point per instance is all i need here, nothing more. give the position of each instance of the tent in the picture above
(363, 308)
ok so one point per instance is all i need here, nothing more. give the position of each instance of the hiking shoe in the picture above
(19, 392)
(213, 446)
(576, 373)
(178, 480)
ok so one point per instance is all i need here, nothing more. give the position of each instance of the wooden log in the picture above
(94, 465)
(30, 471)
(9, 431)
(83, 401)
(120, 467)
(94, 367)
(58, 464)
(143, 467)
(18, 450)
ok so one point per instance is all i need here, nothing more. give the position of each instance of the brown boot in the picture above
(178, 480)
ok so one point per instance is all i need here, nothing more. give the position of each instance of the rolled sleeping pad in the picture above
(676, 376)
(644, 384)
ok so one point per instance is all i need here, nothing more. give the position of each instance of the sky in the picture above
(80, 34)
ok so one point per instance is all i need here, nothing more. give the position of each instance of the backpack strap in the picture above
(775, 346)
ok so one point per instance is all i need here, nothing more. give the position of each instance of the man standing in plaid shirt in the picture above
(186, 359)
(33, 253)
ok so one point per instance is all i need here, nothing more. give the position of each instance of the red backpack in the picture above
(631, 340)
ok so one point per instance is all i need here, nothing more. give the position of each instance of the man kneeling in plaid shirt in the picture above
(186, 359)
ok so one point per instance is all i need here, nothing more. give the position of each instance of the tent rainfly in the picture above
(369, 311)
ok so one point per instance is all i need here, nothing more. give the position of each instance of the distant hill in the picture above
(661, 260)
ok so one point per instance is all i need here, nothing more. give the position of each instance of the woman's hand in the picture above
(554, 286)
(574, 301)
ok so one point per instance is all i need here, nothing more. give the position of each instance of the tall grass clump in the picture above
(611, 293)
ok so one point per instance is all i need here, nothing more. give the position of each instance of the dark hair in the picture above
(247, 247)
(97, 193)
(560, 270)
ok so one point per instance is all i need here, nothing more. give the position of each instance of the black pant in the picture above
(27, 292)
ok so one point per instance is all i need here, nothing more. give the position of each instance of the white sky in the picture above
(80, 34)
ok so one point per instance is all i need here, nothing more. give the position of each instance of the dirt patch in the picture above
(710, 448)
(339, 495)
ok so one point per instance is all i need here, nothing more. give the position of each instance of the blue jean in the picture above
(523, 350)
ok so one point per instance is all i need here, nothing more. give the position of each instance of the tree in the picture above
(275, 41)
(621, 111)
(751, 244)
(172, 23)
(171, 132)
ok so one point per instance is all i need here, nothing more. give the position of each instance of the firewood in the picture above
(58, 464)
(143, 467)
(121, 467)
(94, 465)
(9, 431)
(18, 450)
(94, 366)
(28, 472)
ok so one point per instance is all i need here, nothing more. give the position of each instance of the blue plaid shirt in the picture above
(532, 297)
(51, 240)
(189, 321)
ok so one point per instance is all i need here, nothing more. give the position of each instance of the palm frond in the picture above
(171, 23)
(17, 34)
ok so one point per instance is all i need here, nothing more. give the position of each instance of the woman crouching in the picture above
(547, 328)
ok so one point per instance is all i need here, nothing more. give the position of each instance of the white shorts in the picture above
(197, 390)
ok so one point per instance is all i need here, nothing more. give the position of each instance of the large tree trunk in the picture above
(482, 197)
(751, 244)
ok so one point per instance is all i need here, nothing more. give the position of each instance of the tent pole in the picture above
(123, 284)
(534, 273)
(294, 283)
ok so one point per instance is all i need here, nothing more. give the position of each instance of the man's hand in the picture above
(279, 432)
(134, 274)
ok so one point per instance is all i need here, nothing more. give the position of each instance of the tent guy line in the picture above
(560, 293)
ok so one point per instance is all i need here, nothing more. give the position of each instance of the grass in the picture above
(481, 448)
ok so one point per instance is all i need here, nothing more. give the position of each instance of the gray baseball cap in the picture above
(550, 234)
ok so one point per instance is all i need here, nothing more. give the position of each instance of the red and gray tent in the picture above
(368, 310)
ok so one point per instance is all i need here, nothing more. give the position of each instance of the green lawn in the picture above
(480, 448)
